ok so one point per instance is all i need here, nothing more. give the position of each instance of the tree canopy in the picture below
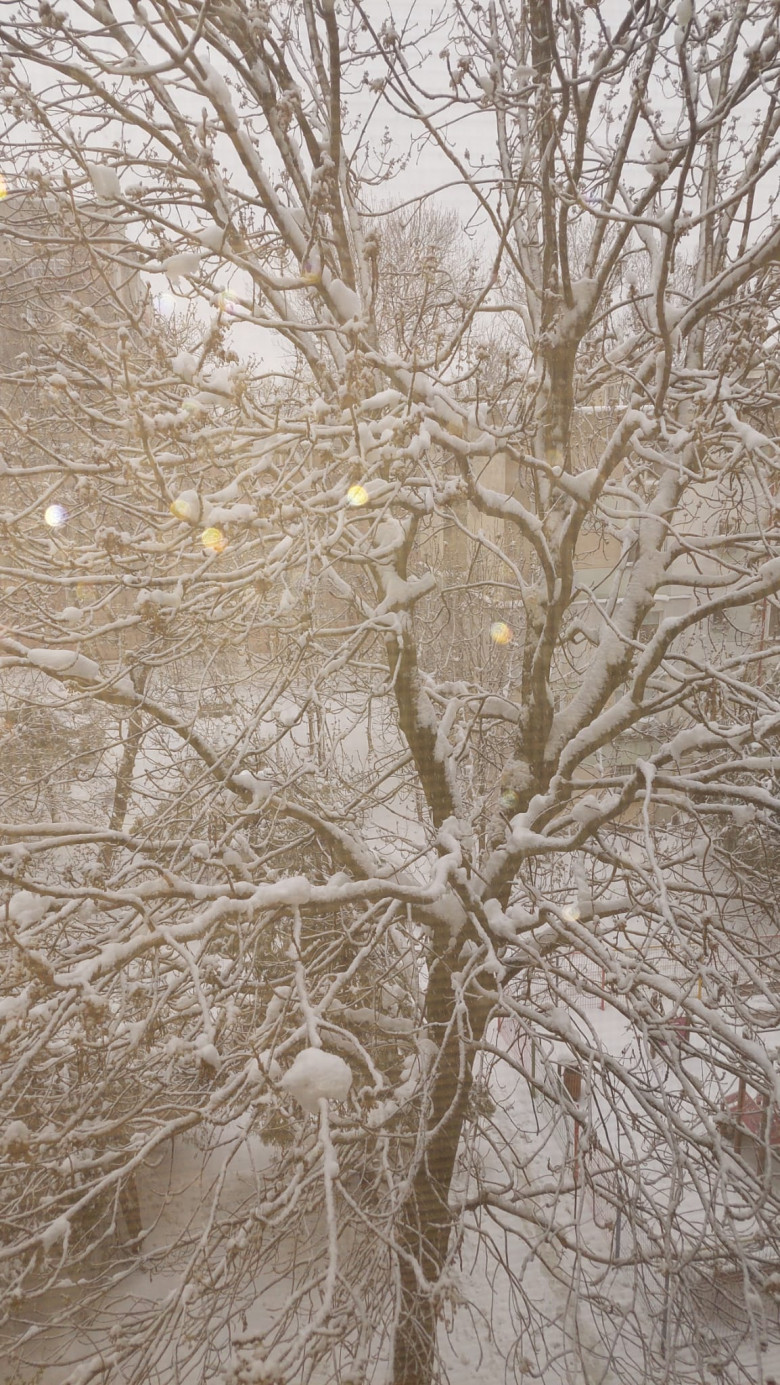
(389, 670)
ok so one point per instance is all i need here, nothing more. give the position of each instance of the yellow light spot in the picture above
(3, 188)
(571, 913)
(357, 495)
(227, 302)
(184, 509)
(55, 516)
(500, 632)
(214, 539)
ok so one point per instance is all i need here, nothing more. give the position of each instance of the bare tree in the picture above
(389, 665)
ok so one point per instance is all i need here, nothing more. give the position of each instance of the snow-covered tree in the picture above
(389, 644)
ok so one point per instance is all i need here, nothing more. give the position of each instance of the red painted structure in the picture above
(751, 1116)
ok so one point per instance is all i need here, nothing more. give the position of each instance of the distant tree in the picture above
(389, 653)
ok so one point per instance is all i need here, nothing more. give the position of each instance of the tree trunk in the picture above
(130, 1206)
(423, 1241)
(124, 778)
(426, 1224)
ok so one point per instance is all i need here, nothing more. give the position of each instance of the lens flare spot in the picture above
(571, 913)
(311, 268)
(55, 516)
(501, 633)
(227, 302)
(3, 188)
(164, 303)
(357, 495)
(214, 540)
(186, 507)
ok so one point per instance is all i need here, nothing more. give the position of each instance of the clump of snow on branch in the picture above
(316, 1074)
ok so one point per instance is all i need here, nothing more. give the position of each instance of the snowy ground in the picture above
(758, 1351)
